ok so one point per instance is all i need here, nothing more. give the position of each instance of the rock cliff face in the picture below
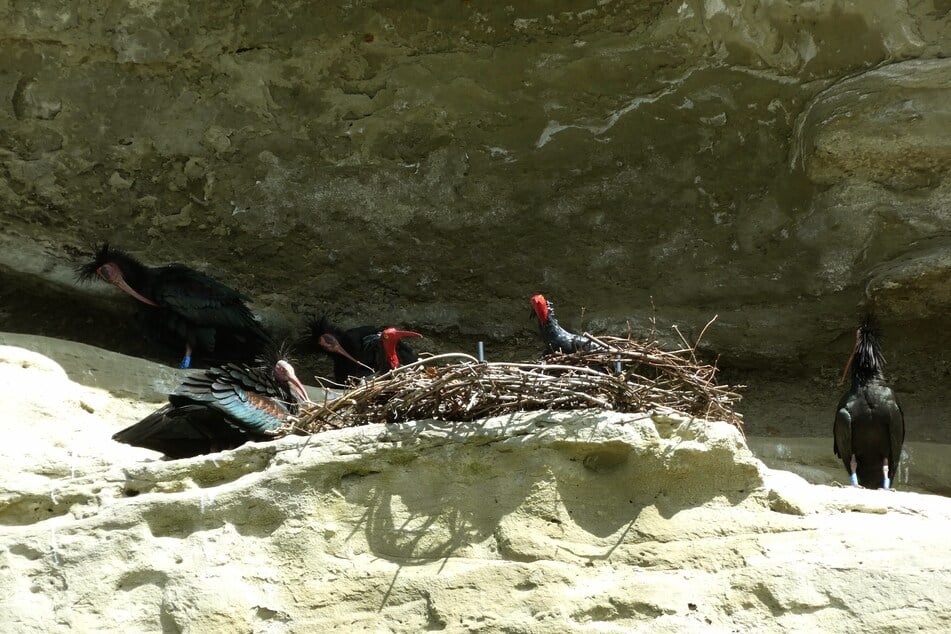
(780, 164)
(541, 522)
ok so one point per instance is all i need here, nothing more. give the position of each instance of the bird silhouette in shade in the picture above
(183, 307)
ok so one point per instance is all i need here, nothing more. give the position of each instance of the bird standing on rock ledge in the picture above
(556, 338)
(185, 306)
(869, 427)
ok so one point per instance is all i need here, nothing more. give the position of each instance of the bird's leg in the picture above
(886, 482)
(187, 360)
(853, 465)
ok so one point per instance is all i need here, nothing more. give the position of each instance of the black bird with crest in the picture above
(220, 408)
(362, 351)
(183, 306)
(869, 427)
(556, 338)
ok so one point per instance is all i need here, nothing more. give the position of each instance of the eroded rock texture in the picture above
(540, 522)
(782, 165)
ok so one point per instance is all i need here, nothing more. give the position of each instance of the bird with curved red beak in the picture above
(386, 344)
(869, 428)
(112, 274)
(184, 306)
(390, 339)
(220, 408)
(355, 351)
(556, 338)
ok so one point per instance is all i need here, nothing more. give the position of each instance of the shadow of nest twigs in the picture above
(622, 375)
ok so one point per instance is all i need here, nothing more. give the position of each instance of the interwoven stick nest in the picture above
(649, 379)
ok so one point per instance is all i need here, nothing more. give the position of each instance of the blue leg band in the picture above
(186, 362)
(855, 480)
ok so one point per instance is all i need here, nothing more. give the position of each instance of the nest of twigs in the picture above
(623, 376)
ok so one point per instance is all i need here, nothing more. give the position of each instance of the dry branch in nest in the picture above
(623, 375)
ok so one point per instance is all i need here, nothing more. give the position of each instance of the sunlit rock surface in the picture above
(547, 521)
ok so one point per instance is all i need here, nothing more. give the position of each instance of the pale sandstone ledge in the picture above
(540, 522)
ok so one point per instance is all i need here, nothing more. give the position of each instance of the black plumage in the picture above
(345, 348)
(220, 408)
(183, 306)
(356, 352)
(869, 427)
(556, 338)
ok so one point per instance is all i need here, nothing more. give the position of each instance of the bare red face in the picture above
(391, 337)
(540, 306)
(110, 272)
(329, 343)
(394, 335)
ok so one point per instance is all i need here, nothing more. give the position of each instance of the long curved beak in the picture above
(402, 334)
(121, 284)
(539, 309)
(848, 364)
(297, 389)
(330, 344)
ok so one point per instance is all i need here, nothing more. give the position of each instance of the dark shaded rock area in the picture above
(433, 165)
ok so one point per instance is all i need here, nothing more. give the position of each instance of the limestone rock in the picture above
(645, 164)
(918, 284)
(888, 126)
(544, 521)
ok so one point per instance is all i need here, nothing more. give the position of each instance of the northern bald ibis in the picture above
(556, 338)
(220, 408)
(869, 427)
(362, 351)
(183, 306)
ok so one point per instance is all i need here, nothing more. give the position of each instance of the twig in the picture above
(650, 379)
